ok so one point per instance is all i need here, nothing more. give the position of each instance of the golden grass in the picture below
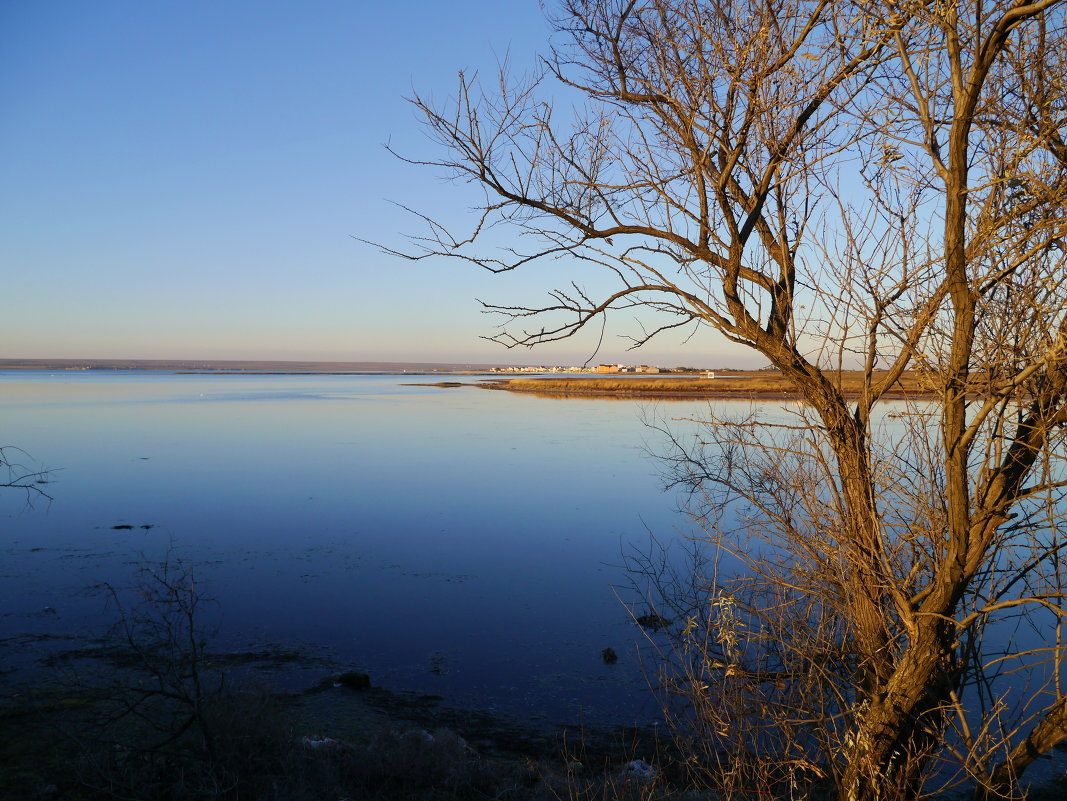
(755, 384)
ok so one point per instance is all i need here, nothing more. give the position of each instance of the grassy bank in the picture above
(756, 385)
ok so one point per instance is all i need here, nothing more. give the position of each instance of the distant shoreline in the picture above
(395, 373)
(756, 385)
(242, 366)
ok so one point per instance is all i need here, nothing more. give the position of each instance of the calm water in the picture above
(453, 541)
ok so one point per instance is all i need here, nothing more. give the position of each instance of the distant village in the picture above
(600, 368)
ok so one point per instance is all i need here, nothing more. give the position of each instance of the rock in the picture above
(315, 743)
(641, 770)
(354, 681)
(609, 655)
(653, 621)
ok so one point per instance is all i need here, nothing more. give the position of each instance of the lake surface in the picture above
(458, 542)
(452, 541)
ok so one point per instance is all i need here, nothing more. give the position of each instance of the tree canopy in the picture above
(878, 186)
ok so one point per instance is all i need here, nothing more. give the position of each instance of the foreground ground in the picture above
(335, 741)
(149, 736)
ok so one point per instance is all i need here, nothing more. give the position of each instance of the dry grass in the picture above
(755, 385)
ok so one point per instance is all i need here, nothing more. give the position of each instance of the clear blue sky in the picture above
(185, 179)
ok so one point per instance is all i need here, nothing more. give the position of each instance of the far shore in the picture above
(737, 385)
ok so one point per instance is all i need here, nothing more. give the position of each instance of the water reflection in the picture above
(454, 541)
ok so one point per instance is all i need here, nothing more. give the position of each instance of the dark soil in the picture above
(73, 733)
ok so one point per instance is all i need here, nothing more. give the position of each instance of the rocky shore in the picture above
(342, 738)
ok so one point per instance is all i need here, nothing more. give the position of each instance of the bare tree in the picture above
(835, 185)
